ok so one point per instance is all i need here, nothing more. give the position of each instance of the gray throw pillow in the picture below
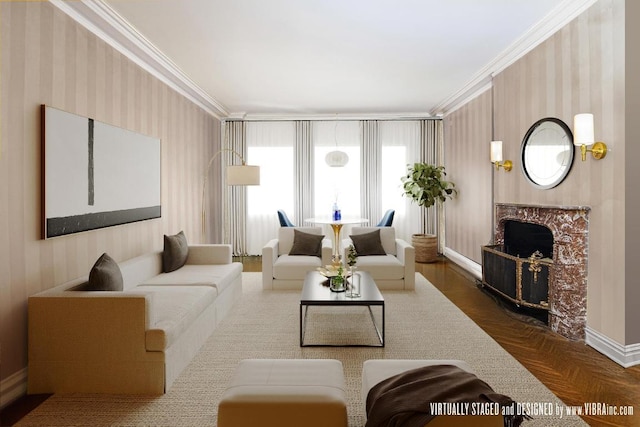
(306, 244)
(105, 275)
(368, 243)
(175, 252)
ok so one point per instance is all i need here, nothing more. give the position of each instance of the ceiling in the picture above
(257, 58)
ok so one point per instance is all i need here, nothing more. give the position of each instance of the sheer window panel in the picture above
(400, 142)
(394, 160)
(270, 146)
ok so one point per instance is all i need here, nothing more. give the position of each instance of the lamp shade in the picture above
(243, 175)
(496, 151)
(583, 133)
(336, 158)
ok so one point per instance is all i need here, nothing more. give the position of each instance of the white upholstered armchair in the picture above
(288, 258)
(393, 266)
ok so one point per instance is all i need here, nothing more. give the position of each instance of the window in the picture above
(336, 184)
(270, 146)
(394, 166)
(400, 142)
(276, 173)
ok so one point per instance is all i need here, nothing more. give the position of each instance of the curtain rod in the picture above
(325, 118)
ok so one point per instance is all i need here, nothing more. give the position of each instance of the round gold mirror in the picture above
(547, 152)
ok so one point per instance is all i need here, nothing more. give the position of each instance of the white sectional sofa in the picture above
(134, 341)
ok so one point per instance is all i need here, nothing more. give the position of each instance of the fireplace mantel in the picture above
(568, 282)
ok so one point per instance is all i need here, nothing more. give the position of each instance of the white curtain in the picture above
(236, 196)
(371, 178)
(270, 145)
(400, 145)
(303, 172)
(431, 140)
(432, 136)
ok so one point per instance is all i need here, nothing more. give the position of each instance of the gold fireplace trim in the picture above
(535, 262)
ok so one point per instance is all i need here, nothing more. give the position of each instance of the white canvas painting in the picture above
(97, 175)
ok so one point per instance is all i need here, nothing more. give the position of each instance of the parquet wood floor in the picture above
(573, 371)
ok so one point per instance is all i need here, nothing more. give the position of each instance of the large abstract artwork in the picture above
(96, 175)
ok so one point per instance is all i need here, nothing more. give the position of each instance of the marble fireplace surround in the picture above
(568, 278)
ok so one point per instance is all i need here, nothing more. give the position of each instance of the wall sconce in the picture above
(496, 157)
(583, 137)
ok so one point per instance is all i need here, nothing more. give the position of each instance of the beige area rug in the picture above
(419, 325)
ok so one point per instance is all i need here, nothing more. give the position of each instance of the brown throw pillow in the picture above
(175, 252)
(105, 275)
(368, 243)
(306, 244)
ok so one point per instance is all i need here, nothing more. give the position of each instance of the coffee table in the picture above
(314, 293)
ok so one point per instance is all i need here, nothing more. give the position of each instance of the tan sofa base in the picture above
(126, 378)
(98, 341)
(283, 392)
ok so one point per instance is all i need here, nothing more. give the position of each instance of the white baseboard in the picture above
(624, 355)
(13, 387)
(471, 266)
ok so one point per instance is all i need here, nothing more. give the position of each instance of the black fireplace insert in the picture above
(522, 239)
(519, 269)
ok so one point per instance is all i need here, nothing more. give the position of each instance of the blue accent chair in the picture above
(387, 219)
(284, 219)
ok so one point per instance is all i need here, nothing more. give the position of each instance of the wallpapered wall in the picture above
(47, 58)
(467, 132)
(579, 69)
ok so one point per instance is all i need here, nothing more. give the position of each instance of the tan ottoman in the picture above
(374, 371)
(285, 392)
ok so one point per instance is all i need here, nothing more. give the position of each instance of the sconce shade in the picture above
(496, 151)
(243, 175)
(583, 133)
(336, 158)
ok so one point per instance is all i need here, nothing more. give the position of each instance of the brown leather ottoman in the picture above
(285, 392)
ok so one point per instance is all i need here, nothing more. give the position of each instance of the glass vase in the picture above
(337, 284)
(353, 287)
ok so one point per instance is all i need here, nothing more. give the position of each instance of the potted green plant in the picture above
(425, 184)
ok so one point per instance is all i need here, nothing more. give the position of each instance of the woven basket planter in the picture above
(426, 246)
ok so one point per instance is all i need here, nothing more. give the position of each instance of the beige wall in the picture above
(632, 173)
(579, 69)
(47, 58)
(467, 132)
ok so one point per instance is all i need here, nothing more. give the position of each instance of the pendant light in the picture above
(336, 158)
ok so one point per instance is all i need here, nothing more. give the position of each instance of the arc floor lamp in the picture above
(236, 175)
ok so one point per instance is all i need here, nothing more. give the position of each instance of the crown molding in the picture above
(99, 18)
(560, 16)
(108, 25)
(472, 93)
